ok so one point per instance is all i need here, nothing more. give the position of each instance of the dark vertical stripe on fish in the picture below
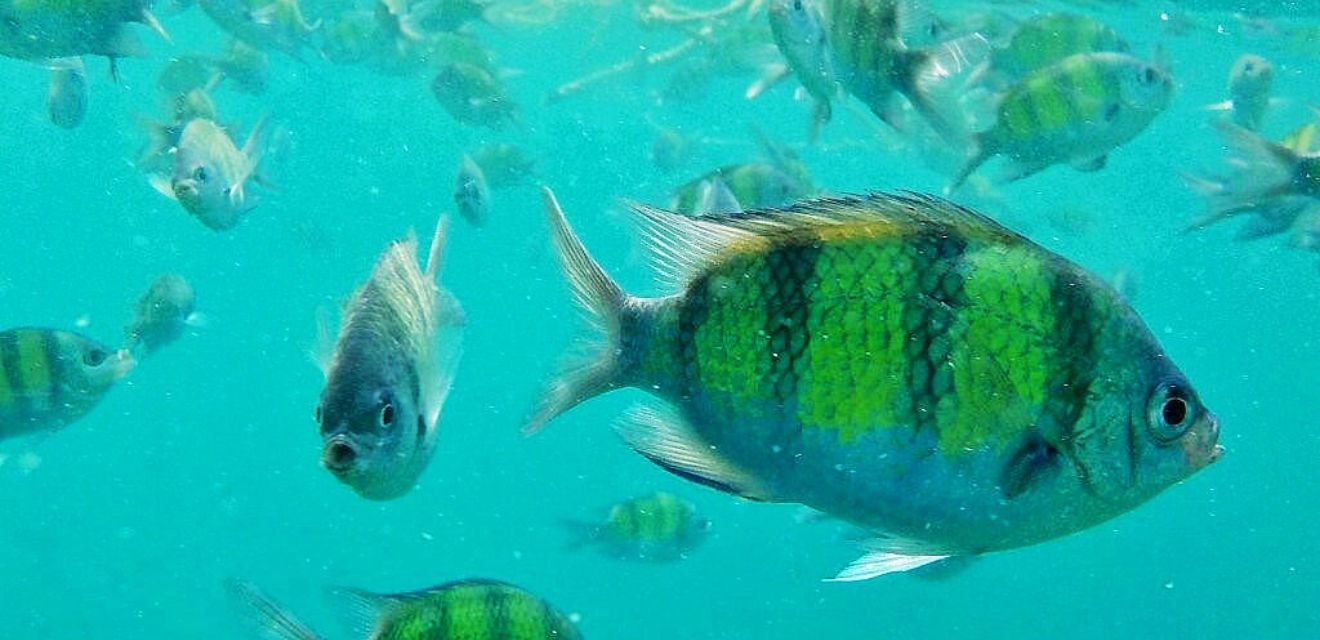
(13, 376)
(51, 349)
(937, 295)
(499, 607)
(692, 314)
(792, 272)
(1074, 348)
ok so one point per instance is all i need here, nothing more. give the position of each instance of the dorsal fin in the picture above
(682, 245)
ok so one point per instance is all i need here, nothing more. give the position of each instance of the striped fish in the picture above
(51, 378)
(1045, 39)
(475, 609)
(659, 527)
(895, 361)
(1075, 111)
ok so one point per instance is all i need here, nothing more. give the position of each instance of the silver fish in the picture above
(389, 373)
(471, 193)
(211, 174)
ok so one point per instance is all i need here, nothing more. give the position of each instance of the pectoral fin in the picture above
(671, 444)
(1033, 463)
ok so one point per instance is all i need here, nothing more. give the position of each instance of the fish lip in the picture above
(340, 455)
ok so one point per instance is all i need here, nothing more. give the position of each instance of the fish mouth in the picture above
(339, 456)
(124, 363)
(1202, 448)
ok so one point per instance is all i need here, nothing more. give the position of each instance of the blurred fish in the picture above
(51, 378)
(1043, 40)
(273, 25)
(471, 193)
(799, 32)
(351, 38)
(504, 164)
(753, 185)
(211, 174)
(246, 68)
(183, 74)
(872, 61)
(1249, 84)
(1273, 180)
(840, 352)
(472, 609)
(389, 373)
(714, 198)
(670, 149)
(66, 100)
(1075, 111)
(33, 30)
(164, 312)
(473, 95)
(658, 527)
(158, 154)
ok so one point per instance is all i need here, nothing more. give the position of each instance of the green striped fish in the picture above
(895, 361)
(1046, 39)
(51, 378)
(659, 527)
(1075, 111)
(476, 609)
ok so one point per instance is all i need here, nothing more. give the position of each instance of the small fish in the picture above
(389, 373)
(1249, 85)
(66, 101)
(670, 149)
(753, 185)
(245, 67)
(1043, 40)
(351, 38)
(471, 193)
(211, 175)
(158, 154)
(1276, 181)
(842, 351)
(873, 63)
(659, 528)
(274, 25)
(504, 164)
(183, 74)
(473, 95)
(164, 312)
(472, 609)
(714, 198)
(799, 32)
(1075, 111)
(51, 378)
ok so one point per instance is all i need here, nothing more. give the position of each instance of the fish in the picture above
(389, 373)
(799, 32)
(471, 609)
(163, 313)
(50, 378)
(1249, 85)
(471, 193)
(158, 154)
(246, 68)
(47, 30)
(752, 185)
(893, 360)
(659, 527)
(271, 25)
(1075, 111)
(1043, 40)
(211, 175)
(504, 164)
(473, 95)
(1277, 181)
(66, 100)
(183, 74)
(670, 149)
(872, 62)
(715, 198)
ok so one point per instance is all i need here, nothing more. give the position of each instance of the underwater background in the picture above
(204, 463)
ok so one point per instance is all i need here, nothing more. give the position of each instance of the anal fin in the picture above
(879, 562)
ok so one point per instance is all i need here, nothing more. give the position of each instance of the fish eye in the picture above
(387, 414)
(94, 357)
(1148, 75)
(199, 174)
(1172, 412)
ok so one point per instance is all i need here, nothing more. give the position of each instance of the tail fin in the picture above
(274, 622)
(603, 300)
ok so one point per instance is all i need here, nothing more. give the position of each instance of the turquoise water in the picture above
(204, 463)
